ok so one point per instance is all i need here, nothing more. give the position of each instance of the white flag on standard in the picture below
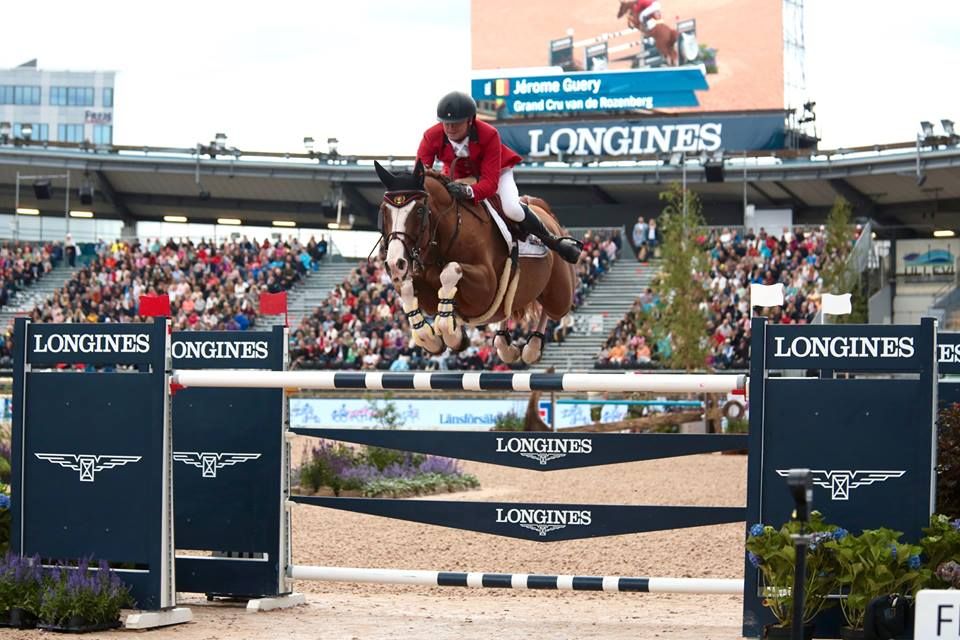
(766, 296)
(837, 305)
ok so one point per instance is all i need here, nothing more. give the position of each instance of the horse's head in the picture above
(404, 217)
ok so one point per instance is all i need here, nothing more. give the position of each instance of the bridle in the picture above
(416, 248)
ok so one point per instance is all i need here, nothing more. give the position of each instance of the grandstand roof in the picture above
(145, 184)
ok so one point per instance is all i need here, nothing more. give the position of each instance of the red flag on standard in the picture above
(272, 304)
(151, 306)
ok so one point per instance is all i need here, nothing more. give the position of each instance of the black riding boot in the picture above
(566, 248)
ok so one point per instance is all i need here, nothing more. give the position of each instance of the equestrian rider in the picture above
(644, 14)
(476, 147)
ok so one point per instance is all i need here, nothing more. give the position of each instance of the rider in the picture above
(476, 147)
(644, 14)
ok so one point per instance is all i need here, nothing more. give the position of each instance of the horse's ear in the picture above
(418, 173)
(385, 176)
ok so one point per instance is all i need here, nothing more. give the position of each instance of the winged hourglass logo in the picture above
(210, 463)
(842, 482)
(87, 465)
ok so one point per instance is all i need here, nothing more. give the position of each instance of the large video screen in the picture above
(587, 57)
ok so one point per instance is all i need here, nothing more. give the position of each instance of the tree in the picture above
(684, 264)
(838, 274)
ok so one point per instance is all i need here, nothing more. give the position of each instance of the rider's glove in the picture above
(460, 191)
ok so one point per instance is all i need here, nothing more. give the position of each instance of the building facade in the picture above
(59, 106)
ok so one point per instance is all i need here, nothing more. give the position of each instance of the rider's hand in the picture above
(460, 191)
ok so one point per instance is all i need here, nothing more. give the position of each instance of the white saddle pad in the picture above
(529, 248)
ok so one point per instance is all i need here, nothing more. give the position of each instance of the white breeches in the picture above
(509, 196)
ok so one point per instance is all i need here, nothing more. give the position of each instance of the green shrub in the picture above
(509, 421)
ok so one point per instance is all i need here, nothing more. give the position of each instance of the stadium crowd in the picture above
(361, 324)
(736, 259)
(210, 286)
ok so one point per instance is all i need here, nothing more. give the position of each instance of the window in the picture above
(108, 96)
(70, 133)
(102, 134)
(41, 132)
(71, 96)
(19, 94)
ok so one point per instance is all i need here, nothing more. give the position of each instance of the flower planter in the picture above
(77, 624)
(849, 633)
(22, 618)
(786, 633)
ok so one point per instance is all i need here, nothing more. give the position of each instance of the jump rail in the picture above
(330, 380)
(518, 580)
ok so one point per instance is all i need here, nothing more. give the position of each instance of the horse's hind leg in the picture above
(535, 343)
(448, 325)
(423, 333)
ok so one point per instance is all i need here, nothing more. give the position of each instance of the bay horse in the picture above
(449, 260)
(664, 36)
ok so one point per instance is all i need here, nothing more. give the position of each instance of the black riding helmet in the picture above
(456, 106)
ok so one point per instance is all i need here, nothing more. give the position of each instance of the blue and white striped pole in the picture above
(518, 580)
(465, 381)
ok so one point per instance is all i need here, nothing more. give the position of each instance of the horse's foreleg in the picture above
(447, 323)
(535, 343)
(507, 352)
(423, 333)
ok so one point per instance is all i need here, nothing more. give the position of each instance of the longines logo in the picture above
(91, 343)
(841, 483)
(543, 521)
(87, 465)
(844, 347)
(544, 449)
(210, 463)
(220, 349)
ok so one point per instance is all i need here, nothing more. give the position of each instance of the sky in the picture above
(369, 72)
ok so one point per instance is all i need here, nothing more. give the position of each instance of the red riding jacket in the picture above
(488, 156)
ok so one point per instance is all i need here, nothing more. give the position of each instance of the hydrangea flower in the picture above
(754, 559)
(840, 534)
(4, 501)
(893, 551)
(756, 530)
(913, 561)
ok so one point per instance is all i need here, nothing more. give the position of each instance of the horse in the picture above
(449, 261)
(665, 38)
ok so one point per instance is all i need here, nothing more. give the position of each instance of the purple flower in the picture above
(756, 530)
(955, 524)
(893, 551)
(754, 559)
(440, 465)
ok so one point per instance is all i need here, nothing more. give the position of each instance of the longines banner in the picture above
(467, 415)
(644, 136)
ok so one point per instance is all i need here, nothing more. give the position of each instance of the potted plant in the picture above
(78, 599)
(772, 551)
(20, 585)
(941, 548)
(872, 565)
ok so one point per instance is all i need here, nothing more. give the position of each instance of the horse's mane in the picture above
(438, 176)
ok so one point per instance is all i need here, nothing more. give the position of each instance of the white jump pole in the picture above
(330, 380)
(518, 580)
(603, 37)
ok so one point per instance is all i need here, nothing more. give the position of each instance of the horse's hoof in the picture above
(531, 354)
(462, 344)
(510, 354)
